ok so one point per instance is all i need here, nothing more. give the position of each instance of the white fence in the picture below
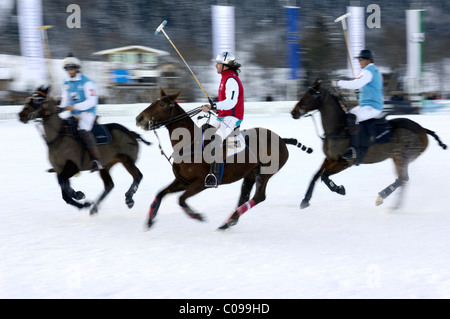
(10, 112)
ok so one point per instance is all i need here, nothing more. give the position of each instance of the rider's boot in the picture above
(87, 137)
(353, 152)
(212, 179)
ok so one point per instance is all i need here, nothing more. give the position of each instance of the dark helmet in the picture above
(365, 54)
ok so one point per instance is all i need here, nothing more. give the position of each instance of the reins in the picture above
(317, 95)
(171, 120)
(161, 149)
(33, 116)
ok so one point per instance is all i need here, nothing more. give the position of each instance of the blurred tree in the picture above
(322, 53)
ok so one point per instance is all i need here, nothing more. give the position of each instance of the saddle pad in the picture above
(383, 132)
(235, 144)
(101, 134)
(375, 131)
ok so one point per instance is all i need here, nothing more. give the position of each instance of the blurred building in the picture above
(135, 73)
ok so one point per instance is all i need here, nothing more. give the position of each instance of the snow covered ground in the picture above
(339, 247)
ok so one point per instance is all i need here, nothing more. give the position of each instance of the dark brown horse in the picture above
(256, 164)
(408, 141)
(68, 156)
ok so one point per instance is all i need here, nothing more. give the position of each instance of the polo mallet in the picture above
(344, 27)
(47, 52)
(161, 28)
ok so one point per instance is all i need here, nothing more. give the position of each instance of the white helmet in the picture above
(225, 58)
(71, 62)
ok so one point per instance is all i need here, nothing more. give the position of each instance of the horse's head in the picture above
(158, 113)
(36, 106)
(309, 101)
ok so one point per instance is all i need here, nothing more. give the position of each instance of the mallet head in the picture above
(45, 27)
(342, 18)
(161, 26)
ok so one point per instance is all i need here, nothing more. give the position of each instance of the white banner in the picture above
(31, 43)
(415, 38)
(356, 37)
(222, 29)
(222, 33)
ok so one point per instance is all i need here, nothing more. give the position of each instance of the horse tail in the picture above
(140, 138)
(429, 132)
(293, 141)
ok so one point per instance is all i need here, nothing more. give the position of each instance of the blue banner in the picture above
(293, 41)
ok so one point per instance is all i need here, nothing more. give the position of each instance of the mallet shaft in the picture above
(47, 53)
(161, 28)
(344, 28)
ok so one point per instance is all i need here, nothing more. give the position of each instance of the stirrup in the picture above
(96, 166)
(350, 154)
(211, 181)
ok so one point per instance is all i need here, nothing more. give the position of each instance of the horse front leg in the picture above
(69, 200)
(69, 195)
(309, 192)
(328, 168)
(175, 186)
(332, 168)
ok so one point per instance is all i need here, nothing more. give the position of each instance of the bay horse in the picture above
(408, 141)
(255, 164)
(68, 156)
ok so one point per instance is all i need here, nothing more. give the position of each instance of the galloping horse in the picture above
(68, 156)
(408, 141)
(256, 164)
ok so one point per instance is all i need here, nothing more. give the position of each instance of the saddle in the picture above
(234, 143)
(375, 131)
(101, 132)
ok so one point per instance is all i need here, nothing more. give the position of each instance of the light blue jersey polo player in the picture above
(371, 100)
(79, 96)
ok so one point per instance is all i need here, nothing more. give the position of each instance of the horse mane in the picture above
(336, 100)
(316, 87)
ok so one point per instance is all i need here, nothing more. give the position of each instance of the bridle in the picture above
(37, 105)
(316, 99)
(154, 124)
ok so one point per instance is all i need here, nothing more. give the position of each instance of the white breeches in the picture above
(365, 112)
(225, 127)
(85, 120)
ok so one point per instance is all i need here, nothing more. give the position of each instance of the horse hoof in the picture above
(87, 204)
(149, 223)
(79, 196)
(93, 211)
(129, 202)
(340, 190)
(378, 201)
(223, 227)
(232, 221)
(198, 217)
(304, 204)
